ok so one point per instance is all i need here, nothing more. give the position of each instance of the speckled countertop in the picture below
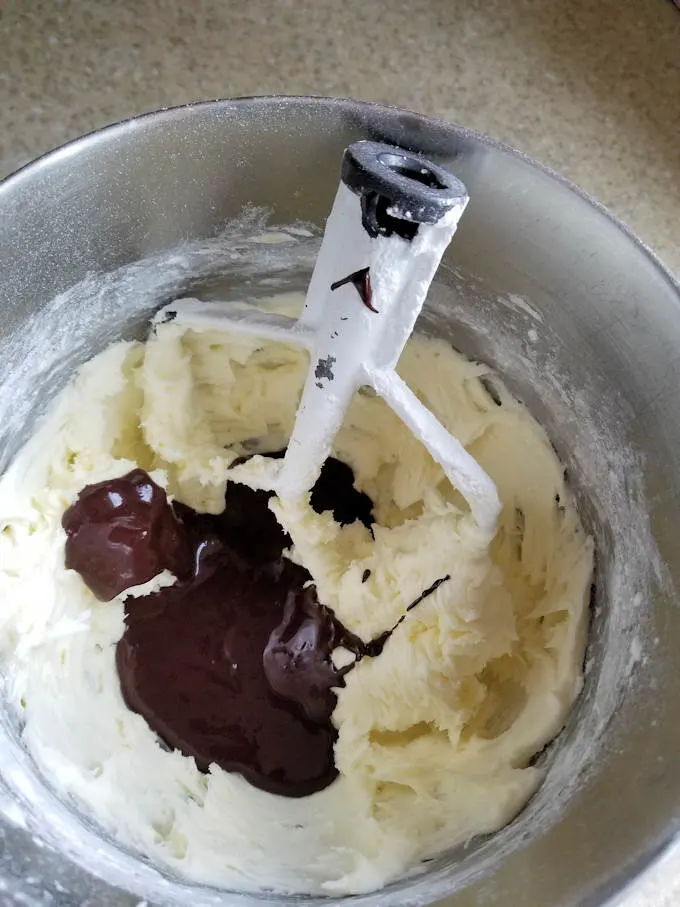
(591, 89)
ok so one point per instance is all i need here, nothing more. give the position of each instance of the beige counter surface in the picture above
(589, 87)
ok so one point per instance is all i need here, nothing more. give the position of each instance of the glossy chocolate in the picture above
(123, 532)
(361, 281)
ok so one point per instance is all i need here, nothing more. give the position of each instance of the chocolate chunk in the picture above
(123, 532)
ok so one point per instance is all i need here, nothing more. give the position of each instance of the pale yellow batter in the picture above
(435, 735)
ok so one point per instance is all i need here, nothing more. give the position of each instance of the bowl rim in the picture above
(72, 146)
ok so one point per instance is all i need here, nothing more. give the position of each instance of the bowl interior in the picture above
(579, 319)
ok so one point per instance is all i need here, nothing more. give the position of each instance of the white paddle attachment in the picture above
(393, 216)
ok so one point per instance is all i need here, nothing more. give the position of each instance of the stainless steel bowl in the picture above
(580, 318)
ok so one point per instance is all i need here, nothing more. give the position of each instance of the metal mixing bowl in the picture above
(582, 321)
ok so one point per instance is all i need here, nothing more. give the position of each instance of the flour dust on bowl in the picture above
(108, 794)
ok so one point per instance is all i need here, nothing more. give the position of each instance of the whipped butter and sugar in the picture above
(436, 665)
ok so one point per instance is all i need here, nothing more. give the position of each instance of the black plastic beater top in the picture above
(398, 189)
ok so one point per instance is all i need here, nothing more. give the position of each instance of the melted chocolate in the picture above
(374, 648)
(334, 490)
(291, 659)
(361, 280)
(232, 664)
(192, 661)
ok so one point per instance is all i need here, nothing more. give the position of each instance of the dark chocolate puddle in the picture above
(232, 664)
